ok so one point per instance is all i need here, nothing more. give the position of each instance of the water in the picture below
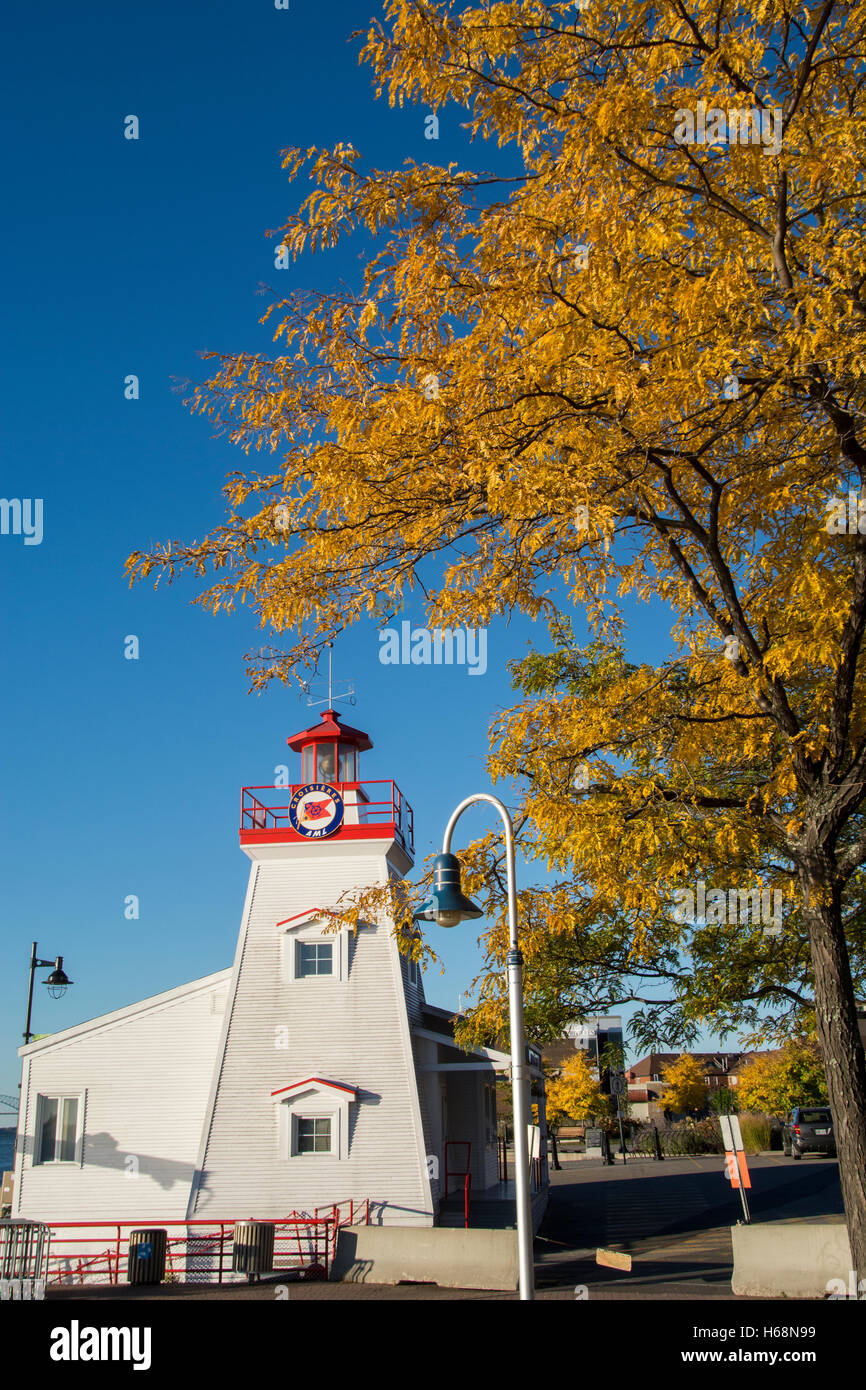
(7, 1148)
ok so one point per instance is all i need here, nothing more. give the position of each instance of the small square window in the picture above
(314, 1134)
(315, 958)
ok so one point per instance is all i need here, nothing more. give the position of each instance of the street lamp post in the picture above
(57, 983)
(448, 906)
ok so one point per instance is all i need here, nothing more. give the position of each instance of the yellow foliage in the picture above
(574, 1094)
(629, 369)
(686, 1088)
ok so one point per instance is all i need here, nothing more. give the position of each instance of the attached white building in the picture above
(311, 1071)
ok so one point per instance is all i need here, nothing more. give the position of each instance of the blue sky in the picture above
(123, 777)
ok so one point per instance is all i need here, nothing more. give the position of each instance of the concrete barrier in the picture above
(790, 1259)
(451, 1258)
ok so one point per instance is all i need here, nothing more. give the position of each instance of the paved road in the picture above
(673, 1218)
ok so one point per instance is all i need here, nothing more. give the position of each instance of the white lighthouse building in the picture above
(311, 1071)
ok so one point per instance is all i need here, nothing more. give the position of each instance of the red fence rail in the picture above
(450, 1170)
(198, 1251)
(345, 1213)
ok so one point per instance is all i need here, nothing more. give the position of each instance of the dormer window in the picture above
(313, 1135)
(314, 958)
(313, 1118)
(309, 952)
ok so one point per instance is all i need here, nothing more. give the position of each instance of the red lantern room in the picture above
(328, 802)
(329, 751)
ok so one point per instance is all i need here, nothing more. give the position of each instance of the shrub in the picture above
(756, 1130)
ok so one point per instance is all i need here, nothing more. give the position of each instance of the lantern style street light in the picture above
(57, 982)
(448, 906)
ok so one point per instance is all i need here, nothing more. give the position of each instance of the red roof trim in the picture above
(307, 912)
(318, 1081)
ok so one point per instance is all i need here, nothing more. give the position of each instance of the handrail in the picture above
(76, 1259)
(461, 1143)
(339, 1221)
(271, 812)
(502, 1156)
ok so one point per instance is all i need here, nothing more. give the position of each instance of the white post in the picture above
(519, 1066)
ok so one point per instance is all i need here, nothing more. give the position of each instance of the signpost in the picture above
(735, 1159)
(617, 1088)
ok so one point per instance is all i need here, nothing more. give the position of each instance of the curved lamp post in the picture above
(58, 982)
(448, 906)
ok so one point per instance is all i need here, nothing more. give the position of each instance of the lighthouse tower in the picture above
(315, 1096)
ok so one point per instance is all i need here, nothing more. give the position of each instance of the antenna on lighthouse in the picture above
(346, 697)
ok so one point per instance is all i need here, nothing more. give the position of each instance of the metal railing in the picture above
(502, 1157)
(198, 1251)
(344, 1213)
(267, 808)
(463, 1173)
(24, 1249)
(467, 1196)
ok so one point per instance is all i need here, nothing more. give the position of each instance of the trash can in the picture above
(253, 1247)
(146, 1259)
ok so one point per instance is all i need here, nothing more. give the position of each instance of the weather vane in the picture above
(346, 697)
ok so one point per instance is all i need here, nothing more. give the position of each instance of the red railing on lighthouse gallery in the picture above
(372, 810)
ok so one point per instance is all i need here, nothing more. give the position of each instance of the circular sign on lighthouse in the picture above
(316, 810)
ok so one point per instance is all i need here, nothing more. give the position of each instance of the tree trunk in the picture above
(841, 1051)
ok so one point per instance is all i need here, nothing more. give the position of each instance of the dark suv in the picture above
(809, 1130)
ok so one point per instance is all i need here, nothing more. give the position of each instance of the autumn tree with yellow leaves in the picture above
(574, 1094)
(686, 1088)
(775, 1083)
(629, 370)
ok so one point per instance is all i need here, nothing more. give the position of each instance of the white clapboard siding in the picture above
(353, 1031)
(414, 995)
(144, 1072)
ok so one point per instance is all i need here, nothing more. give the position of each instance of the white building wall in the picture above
(144, 1074)
(423, 1051)
(353, 1031)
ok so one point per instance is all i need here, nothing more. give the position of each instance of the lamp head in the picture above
(447, 905)
(58, 981)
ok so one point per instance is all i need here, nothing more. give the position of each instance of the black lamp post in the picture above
(57, 982)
